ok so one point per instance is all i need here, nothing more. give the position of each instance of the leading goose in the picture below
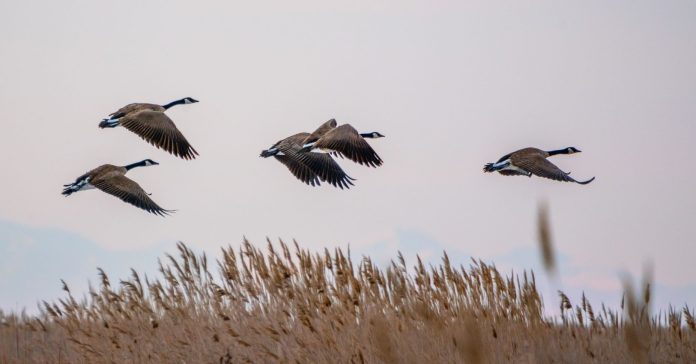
(528, 161)
(309, 168)
(112, 180)
(151, 123)
(344, 141)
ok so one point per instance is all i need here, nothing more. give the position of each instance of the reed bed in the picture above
(290, 305)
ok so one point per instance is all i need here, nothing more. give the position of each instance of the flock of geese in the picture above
(308, 156)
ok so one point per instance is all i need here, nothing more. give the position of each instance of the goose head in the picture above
(373, 135)
(142, 163)
(149, 162)
(571, 150)
(184, 101)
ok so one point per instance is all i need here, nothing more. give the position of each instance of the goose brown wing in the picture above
(159, 130)
(524, 153)
(540, 166)
(321, 130)
(129, 191)
(504, 157)
(299, 170)
(346, 141)
(326, 168)
(319, 163)
(134, 107)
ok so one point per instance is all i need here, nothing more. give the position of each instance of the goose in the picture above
(532, 161)
(310, 168)
(343, 141)
(112, 180)
(151, 123)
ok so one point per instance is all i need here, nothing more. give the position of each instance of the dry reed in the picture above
(548, 254)
(292, 305)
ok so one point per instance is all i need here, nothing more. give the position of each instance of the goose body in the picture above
(343, 141)
(112, 180)
(150, 122)
(533, 161)
(310, 168)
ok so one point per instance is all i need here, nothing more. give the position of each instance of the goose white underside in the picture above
(82, 186)
(309, 145)
(86, 186)
(322, 151)
(317, 150)
(509, 167)
(273, 151)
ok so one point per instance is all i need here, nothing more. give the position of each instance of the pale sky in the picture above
(452, 85)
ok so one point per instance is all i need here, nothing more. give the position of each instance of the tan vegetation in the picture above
(290, 305)
(548, 256)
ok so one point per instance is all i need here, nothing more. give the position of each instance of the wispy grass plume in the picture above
(291, 305)
(548, 254)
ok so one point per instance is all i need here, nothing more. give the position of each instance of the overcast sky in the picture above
(452, 85)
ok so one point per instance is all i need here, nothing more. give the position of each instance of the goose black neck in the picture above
(366, 135)
(133, 165)
(558, 151)
(177, 102)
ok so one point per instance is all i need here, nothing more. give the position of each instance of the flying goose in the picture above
(309, 168)
(532, 161)
(151, 123)
(112, 180)
(344, 141)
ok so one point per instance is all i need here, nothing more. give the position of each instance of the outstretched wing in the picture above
(326, 168)
(299, 170)
(319, 163)
(159, 130)
(134, 107)
(347, 142)
(321, 130)
(509, 172)
(130, 192)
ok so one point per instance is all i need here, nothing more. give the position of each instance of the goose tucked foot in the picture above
(70, 189)
(492, 167)
(76, 186)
